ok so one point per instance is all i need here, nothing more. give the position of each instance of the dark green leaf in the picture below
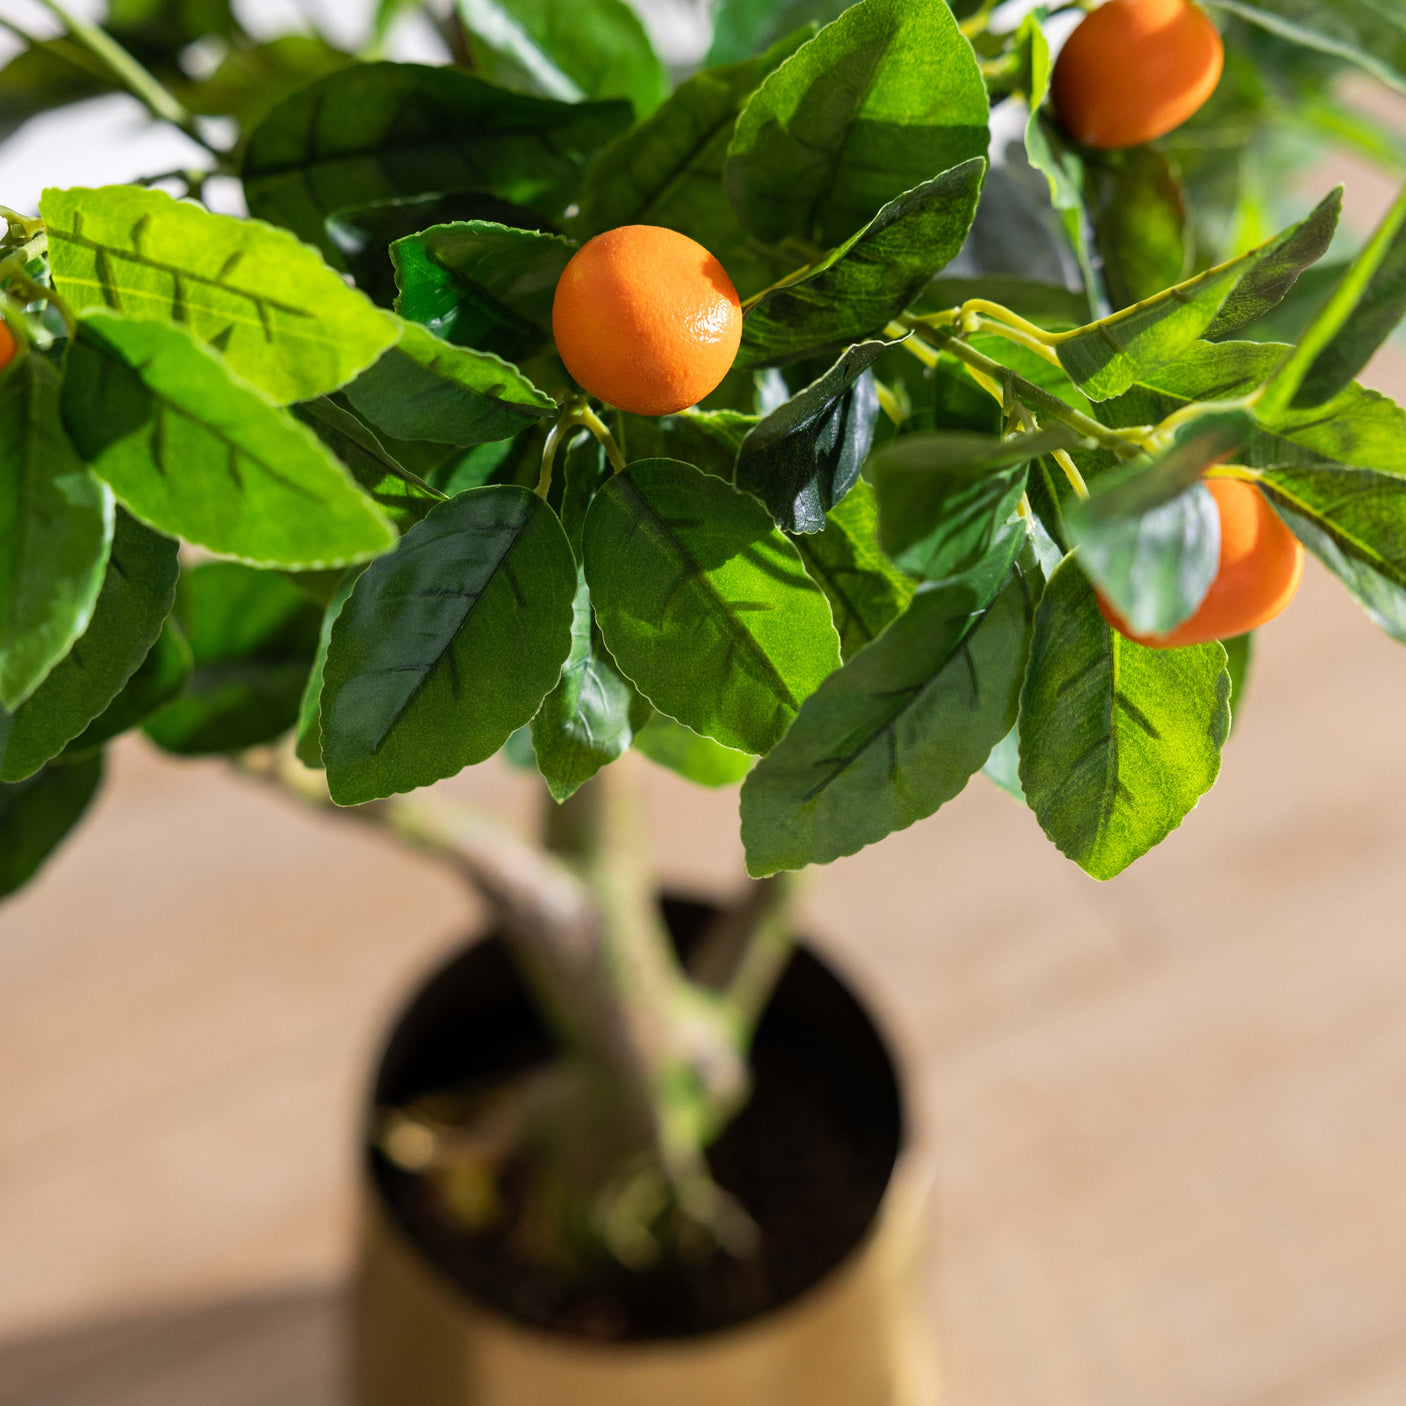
(898, 731)
(197, 455)
(587, 49)
(378, 131)
(36, 815)
(447, 645)
(252, 79)
(855, 290)
(309, 741)
(160, 677)
(1138, 213)
(806, 455)
(591, 716)
(479, 284)
(707, 439)
(865, 593)
(252, 637)
(1117, 742)
(279, 316)
(1045, 304)
(56, 524)
(742, 27)
(137, 591)
(877, 102)
(704, 604)
(694, 757)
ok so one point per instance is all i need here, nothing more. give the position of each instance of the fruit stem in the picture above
(1060, 456)
(597, 427)
(565, 421)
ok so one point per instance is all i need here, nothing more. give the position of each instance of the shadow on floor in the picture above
(276, 1349)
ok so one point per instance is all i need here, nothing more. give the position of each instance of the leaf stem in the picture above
(1060, 456)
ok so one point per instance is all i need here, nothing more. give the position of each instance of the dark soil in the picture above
(809, 1157)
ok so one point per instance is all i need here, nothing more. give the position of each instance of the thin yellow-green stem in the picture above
(588, 417)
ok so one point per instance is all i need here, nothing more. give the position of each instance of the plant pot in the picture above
(850, 1330)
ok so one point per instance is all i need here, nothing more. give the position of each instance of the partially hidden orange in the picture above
(646, 319)
(1261, 565)
(1135, 69)
(7, 344)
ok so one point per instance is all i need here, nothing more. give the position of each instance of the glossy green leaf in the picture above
(378, 131)
(309, 739)
(1117, 742)
(137, 591)
(1138, 213)
(898, 731)
(1149, 536)
(281, 318)
(56, 522)
(159, 678)
(865, 593)
(37, 815)
(587, 49)
(943, 497)
(591, 716)
(694, 757)
(480, 284)
(1106, 357)
(874, 105)
(197, 455)
(447, 645)
(806, 455)
(704, 604)
(858, 288)
(424, 388)
(252, 637)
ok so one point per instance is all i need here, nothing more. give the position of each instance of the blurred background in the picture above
(1170, 1110)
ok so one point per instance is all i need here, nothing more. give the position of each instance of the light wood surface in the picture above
(1171, 1110)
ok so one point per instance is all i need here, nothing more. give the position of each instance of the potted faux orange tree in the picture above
(773, 425)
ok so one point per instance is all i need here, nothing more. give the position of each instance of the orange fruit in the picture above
(1261, 565)
(1135, 69)
(646, 319)
(7, 344)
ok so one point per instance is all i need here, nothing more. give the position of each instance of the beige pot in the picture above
(861, 1336)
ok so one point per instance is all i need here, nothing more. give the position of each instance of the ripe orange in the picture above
(1261, 565)
(646, 319)
(7, 344)
(1134, 69)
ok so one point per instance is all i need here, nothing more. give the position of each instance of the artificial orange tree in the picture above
(770, 424)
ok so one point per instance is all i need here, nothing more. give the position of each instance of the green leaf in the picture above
(588, 49)
(278, 315)
(480, 284)
(668, 170)
(742, 27)
(160, 677)
(1354, 521)
(378, 131)
(1149, 537)
(427, 389)
(309, 739)
(1107, 356)
(1117, 742)
(806, 455)
(447, 645)
(252, 636)
(1360, 314)
(1371, 33)
(943, 497)
(137, 591)
(858, 288)
(56, 523)
(708, 439)
(1045, 304)
(195, 454)
(1239, 651)
(871, 107)
(252, 79)
(1002, 767)
(36, 816)
(44, 76)
(898, 731)
(591, 716)
(865, 593)
(704, 604)
(696, 758)
(1138, 213)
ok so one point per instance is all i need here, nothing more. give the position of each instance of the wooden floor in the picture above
(1171, 1110)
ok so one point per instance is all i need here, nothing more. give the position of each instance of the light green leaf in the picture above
(281, 318)
(426, 389)
(56, 523)
(447, 645)
(865, 593)
(704, 604)
(858, 288)
(252, 78)
(160, 677)
(878, 101)
(898, 731)
(1002, 767)
(1117, 742)
(379, 131)
(696, 758)
(37, 815)
(137, 591)
(195, 454)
